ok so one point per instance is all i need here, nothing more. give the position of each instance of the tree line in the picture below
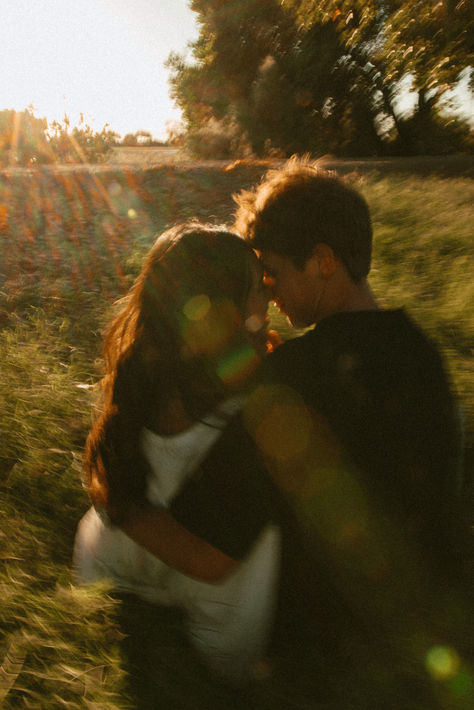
(26, 140)
(285, 76)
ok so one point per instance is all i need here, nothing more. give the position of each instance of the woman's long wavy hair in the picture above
(183, 320)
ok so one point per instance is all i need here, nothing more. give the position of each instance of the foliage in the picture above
(431, 41)
(141, 138)
(71, 244)
(175, 134)
(321, 76)
(137, 138)
(217, 140)
(26, 140)
(81, 144)
(234, 43)
(387, 40)
(23, 138)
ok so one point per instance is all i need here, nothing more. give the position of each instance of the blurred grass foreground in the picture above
(71, 243)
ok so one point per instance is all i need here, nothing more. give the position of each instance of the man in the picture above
(365, 384)
(356, 424)
(355, 419)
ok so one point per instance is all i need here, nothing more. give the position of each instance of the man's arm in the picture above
(156, 530)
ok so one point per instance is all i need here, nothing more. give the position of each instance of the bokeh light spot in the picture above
(132, 213)
(114, 189)
(285, 431)
(238, 365)
(214, 330)
(253, 324)
(442, 662)
(197, 307)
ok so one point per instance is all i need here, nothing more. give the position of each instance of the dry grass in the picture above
(70, 244)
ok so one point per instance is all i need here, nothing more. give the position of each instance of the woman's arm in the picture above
(157, 531)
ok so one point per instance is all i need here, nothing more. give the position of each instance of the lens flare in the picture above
(197, 307)
(238, 365)
(285, 431)
(214, 330)
(253, 324)
(442, 662)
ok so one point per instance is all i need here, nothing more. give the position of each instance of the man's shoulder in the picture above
(345, 327)
(290, 355)
(353, 327)
(375, 339)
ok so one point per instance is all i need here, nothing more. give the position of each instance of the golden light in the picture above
(442, 662)
(211, 328)
(197, 307)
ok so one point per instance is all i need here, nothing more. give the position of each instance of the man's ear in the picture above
(327, 261)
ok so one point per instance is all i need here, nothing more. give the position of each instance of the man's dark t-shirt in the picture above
(355, 423)
(350, 442)
(381, 386)
(379, 390)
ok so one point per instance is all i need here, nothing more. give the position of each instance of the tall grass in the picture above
(70, 244)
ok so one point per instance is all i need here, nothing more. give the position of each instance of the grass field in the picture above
(70, 245)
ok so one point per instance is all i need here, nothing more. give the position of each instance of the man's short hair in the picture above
(300, 205)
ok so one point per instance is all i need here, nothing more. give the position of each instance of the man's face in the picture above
(296, 292)
(256, 318)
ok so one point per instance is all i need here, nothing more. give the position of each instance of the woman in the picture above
(178, 360)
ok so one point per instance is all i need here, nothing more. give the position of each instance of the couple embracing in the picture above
(271, 503)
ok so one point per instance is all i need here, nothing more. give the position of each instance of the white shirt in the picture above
(229, 623)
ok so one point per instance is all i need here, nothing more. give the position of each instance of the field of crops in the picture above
(71, 243)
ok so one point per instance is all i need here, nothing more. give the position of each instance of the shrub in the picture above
(23, 139)
(81, 144)
(218, 140)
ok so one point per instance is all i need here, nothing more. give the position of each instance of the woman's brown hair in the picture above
(182, 319)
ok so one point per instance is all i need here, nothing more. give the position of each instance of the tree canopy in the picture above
(319, 75)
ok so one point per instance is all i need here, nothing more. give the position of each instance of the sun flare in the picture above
(102, 58)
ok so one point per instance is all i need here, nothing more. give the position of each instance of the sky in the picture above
(104, 58)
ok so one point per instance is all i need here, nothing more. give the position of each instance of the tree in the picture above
(175, 134)
(320, 75)
(130, 140)
(23, 139)
(431, 42)
(286, 84)
(139, 138)
(233, 47)
(28, 140)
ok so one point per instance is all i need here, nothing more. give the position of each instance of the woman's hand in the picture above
(157, 531)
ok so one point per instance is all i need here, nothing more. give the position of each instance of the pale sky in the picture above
(103, 58)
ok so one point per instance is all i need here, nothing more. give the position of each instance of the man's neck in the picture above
(358, 297)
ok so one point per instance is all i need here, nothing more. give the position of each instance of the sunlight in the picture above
(442, 662)
(100, 58)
